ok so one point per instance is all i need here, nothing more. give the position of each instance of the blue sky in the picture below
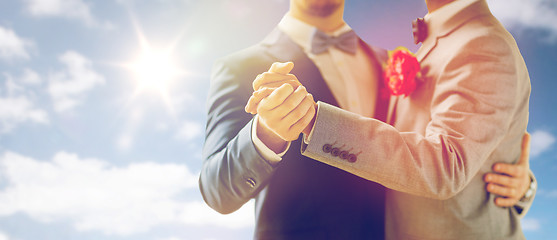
(90, 150)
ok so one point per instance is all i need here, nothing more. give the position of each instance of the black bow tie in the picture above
(419, 30)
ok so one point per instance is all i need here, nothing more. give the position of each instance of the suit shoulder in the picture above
(236, 72)
(483, 37)
(487, 30)
(243, 63)
(248, 56)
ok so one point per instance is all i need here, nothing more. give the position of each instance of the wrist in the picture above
(530, 191)
(309, 127)
(270, 138)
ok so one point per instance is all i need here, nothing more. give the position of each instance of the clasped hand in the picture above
(283, 106)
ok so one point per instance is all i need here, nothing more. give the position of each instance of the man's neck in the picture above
(325, 24)
(433, 5)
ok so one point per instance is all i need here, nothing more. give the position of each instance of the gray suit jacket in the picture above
(470, 111)
(299, 198)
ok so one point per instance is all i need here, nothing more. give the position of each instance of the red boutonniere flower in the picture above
(401, 72)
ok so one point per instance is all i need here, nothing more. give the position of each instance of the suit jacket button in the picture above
(352, 158)
(327, 148)
(335, 152)
(343, 155)
(250, 182)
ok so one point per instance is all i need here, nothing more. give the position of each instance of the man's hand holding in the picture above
(265, 83)
(510, 181)
(287, 111)
(284, 106)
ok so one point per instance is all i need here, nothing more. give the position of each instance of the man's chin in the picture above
(321, 9)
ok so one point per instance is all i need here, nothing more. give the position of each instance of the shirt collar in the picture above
(301, 32)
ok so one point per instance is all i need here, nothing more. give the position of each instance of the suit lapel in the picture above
(380, 56)
(391, 114)
(281, 48)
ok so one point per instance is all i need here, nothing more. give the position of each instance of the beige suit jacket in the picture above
(470, 111)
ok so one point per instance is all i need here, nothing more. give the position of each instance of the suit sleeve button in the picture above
(251, 182)
(327, 148)
(352, 158)
(335, 152)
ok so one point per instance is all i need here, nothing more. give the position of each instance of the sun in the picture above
(154, 67)
(155, 73)
(154, 70)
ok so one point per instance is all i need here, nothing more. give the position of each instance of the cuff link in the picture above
(530, 192)
(251, 182)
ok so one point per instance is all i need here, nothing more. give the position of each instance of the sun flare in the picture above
(154, 70)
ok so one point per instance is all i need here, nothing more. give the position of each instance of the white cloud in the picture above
(14, 111)
(13, 46)
(68, 86)
(530, 224)
(198, 214)
(534, 14)
(73, 9)
(541, 141)
(161, 126)
(547, 193)
(17, 106)
(126, 139)
(124, 142)
(93, 195)
(30, 77)
(170, 238)
(11, 86)
(3, 236)
(189, 131)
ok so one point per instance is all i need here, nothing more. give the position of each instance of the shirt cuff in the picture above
(267, 154)
(524, 205)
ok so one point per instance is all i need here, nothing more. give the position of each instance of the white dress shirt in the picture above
(350, 77)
